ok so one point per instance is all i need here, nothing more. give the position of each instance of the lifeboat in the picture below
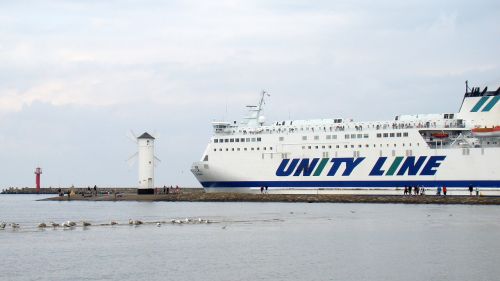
(486, 132)
(440, 135)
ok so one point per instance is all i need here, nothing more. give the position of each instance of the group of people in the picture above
(171, 190)
(417, 190)
(420, 190)
(263, 189)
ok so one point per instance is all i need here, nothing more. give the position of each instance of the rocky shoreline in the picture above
(304, 198)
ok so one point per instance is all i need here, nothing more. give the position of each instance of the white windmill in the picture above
(146, 162)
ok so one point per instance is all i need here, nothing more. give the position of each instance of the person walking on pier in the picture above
(471, 189)
(406, 190)
(409, 190)
(438, 191)
(444, 190)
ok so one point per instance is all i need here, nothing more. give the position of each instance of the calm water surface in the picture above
(250, 241)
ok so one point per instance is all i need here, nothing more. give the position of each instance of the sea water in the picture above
(249, 241)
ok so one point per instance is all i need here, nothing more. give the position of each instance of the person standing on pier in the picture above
(470, 189)
(444, 190)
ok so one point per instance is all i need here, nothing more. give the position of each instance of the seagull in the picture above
(158, 224)
(54, 224)
(2, 225)
(130, 221)
(224, 227)
(186, 220)
(85, 223)
(200, 220)
(69, 224)
(137, 222)
(113, 223)
(15, 225)
(42, 225)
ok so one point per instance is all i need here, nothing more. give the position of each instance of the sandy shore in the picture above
(309, 198)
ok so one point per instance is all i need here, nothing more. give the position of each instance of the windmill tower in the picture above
(146, 162)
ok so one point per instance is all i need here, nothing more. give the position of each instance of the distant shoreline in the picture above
(300, 198)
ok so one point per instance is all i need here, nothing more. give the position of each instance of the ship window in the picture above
(405, 134)
(248, 140)
(304, 137)
(251, 148)
(270, 148)
(216, 140)
(352, 145)
(253, 139)
(394, 145)
(323, 146)
(391, 135)
(316, 147)
(227, 149)
(242, 140)
(386, 135)
(303, 147)
(232, 149)
(309, 147)
(353, 136)
(282, 138)
(237, 140)
(316, 137)
(231, 140)
(334, 137)
(329, 146)
(337, 146)
(359, 145)
(226, 140)
(365, 136)
(215, 149)
(345, 146)
(410, 144)
(258, 148)
(367, 145)
(398, 135)
(245, 149)
(379, 135)
(328, 137)
(346, 137)
(220, 149)
(238, 149)
(259, 139)
(360, 136)
(264, 148)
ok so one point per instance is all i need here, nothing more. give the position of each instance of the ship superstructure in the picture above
(450, 149)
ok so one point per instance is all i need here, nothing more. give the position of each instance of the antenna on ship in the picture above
(467, 86)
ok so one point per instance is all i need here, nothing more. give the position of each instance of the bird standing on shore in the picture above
(3, 225)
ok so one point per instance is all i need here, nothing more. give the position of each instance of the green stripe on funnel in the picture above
(491, 104)
(479, 104)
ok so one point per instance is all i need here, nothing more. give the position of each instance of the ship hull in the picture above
(371, 170)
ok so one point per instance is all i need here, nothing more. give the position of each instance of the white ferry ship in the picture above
(445, 149)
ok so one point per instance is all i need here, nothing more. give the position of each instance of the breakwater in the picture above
(199, 196)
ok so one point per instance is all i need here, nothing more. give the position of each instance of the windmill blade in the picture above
(132, 136)
(156, 135)
(157, 160)
(131, 159)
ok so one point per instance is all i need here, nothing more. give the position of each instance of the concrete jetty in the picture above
(200, 196)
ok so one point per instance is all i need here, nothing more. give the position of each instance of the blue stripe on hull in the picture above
(351, 184)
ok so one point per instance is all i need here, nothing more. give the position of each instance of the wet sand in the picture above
(309, 198)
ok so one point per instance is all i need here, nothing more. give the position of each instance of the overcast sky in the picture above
(75, 76)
